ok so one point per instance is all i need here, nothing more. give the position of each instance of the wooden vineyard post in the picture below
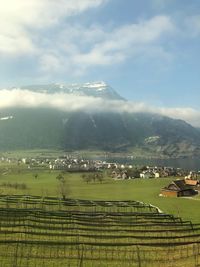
(81, 253)
(138, 257)
(15, 255)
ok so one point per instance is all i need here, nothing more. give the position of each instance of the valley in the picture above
(74, 158)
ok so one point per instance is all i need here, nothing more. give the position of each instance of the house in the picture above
(178, 188)
(147, 174)
(116, 175)
(192, 175)
(124, 175)
(157, 174)
(192, 182)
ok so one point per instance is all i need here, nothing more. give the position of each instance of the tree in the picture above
(133, 173)
(63, 186)
(60, 177)
(86, 178)
(36, 175)
(95, 176)
(100, 177)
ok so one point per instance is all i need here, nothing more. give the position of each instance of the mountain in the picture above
(142, 134)
(94, 89)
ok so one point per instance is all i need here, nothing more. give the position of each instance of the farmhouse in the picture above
(178, 188)
(192, 182)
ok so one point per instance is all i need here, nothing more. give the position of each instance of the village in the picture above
(117, 170)
(185, 183)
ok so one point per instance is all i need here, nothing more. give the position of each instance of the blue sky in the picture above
(148, 50)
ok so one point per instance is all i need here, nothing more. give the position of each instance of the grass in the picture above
(92, 233)
(65, 235)
(145, 190)
(31, 153)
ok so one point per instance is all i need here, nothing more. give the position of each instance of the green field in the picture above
(145, 190)
(31, 153)
(99, 224)
(51, 232)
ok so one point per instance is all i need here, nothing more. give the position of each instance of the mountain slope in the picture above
(118, 132)
(31, 128)
(144, 133)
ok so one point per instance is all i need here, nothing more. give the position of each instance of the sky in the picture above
(147, 50)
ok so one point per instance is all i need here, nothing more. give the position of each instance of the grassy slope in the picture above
(142, 190)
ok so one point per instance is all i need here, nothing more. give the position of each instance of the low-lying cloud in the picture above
(70, 102)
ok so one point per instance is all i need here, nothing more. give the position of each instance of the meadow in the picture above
(98, 223)
(145, 190)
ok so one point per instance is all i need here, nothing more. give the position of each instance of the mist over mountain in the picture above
(90, 116)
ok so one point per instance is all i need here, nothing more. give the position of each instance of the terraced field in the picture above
(49, 232)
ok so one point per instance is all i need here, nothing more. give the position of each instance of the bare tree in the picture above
(63, 186)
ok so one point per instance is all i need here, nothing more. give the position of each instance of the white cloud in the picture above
(20, 18)
(127, 40)
(79, 49)
(132, 39)
(41, 28)
(67, 102)
(187, 114)
(16, 43)
(37, 13)
(50, 63)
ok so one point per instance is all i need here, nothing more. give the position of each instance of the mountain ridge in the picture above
(146, 134)
(94, 89)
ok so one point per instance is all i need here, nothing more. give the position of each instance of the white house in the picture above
(146, 174)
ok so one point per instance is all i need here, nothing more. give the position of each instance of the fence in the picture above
(50, 232)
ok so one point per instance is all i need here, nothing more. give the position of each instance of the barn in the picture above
(179, 188)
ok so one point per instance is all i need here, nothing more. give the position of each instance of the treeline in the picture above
(93, 177)
(21, 186)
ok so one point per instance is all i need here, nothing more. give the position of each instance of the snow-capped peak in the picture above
(96, 85)
(94, 89)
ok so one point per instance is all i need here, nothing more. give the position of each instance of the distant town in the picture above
(117, 170)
